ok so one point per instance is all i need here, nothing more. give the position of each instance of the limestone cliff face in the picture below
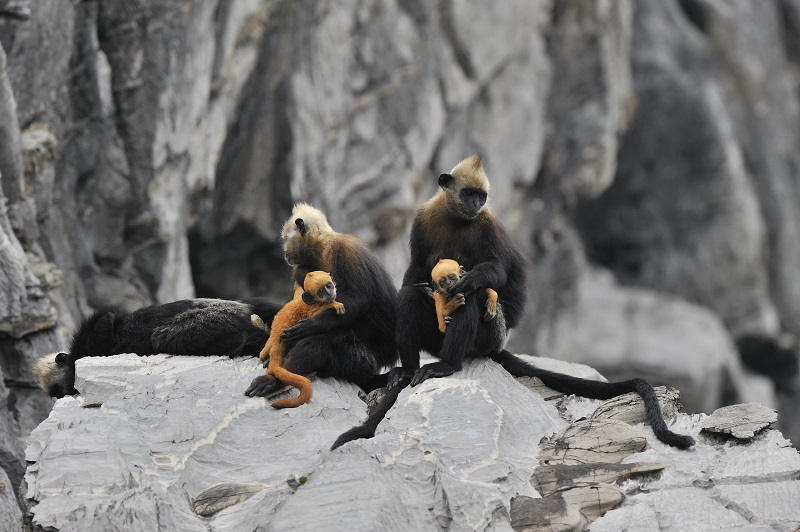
(150, 150)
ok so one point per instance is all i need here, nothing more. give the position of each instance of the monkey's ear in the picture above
(462, 270)
(445, 180)
(308, 299)
(301, 226)
(61, 359)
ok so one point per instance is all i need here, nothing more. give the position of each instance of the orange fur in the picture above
(295, 310)
(445, 274)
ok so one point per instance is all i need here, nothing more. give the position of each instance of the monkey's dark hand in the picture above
(435, 369)
(466, 285)
(262, 386)
(303, 329)
(426, 289)
(398, 377)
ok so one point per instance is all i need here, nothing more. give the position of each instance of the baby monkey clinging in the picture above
(445, 274)
(317, 294)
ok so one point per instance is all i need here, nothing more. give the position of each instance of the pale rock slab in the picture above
(740, 421)
(175, 445)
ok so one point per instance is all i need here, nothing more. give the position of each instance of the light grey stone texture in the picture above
(740, 421)
(169, 428)
(150, 150)
(10, 514)
(154, 440)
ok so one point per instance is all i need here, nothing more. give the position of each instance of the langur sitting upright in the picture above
(444, 275)
(354, 346)
(456, 223)
(318, 293)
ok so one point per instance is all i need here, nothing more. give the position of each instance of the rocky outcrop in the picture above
(169, 442)
(151, 152)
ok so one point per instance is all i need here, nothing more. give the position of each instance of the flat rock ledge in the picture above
(740, 421)
(171, 443)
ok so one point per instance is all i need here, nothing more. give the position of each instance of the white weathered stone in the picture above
(175, 437)
(740, 421)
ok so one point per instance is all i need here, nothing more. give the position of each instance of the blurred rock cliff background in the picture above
(643, 154)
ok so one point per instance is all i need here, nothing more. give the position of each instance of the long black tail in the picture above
(367, 429)
(597, 390)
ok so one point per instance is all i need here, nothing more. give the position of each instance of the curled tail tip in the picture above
(287, 403)
(682, 442)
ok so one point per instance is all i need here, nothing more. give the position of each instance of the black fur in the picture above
(598, 390)
(186, 327)
(479, 242)
(356, 345)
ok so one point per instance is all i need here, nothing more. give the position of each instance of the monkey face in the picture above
(327, 293)
(445, 274)
(444, 283)
(472, 201)
(462, 201)
(55, 374)
(319, 287)
(467, 188)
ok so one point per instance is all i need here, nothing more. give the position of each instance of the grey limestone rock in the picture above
(172, 442)
(740, 421)
(10, 514)
(150, 151)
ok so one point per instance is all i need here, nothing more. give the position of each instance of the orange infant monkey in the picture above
(444, 275)
(318, 293)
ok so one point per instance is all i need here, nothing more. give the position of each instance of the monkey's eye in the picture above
(476, 193)
(453, 277)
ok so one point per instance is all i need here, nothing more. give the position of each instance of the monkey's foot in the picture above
(491, 312)
(435, 369)
(398, 376)
(356, 433)
(262, 386)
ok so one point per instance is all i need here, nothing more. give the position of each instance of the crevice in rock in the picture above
(696, 13)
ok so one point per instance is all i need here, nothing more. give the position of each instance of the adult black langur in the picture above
(354, 346)
(187, 327)
(455, 223)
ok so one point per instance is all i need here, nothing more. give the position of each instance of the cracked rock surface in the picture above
(171, 443)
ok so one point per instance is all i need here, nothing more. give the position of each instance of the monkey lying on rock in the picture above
(187, 327)
(444, 275)
(317, 294)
